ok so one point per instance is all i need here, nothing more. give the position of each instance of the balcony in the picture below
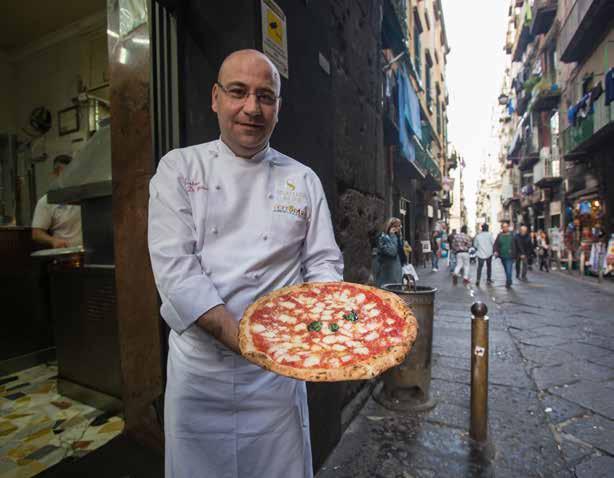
(529, 150)
(546, 98)
(547, 171)
(446, 199)
(544, 13)
(395, 17)
(523, 38)
(425, 161)
(587, 20)
(590, 132)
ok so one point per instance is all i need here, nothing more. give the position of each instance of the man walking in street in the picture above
(524, 250)
(461, 244)
(220, 237)
(484, 243)
(504, 250)
(451, 253)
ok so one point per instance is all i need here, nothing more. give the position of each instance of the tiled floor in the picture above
(39, 427)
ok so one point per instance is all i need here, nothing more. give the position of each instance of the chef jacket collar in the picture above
(224, 149)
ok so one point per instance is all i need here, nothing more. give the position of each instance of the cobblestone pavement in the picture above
(551, 393)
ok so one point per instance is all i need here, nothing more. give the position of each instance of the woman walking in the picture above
(390, 254)
(543, 251)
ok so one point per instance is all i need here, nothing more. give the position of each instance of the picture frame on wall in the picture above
(68, 120)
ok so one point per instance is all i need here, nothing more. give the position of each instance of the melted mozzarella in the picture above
(346, 358)
(339, 347)
(287, 319)
(288, 305)
(373, 313)
(361, 350)
(257, 328)
(311, 361)
(371, 337)
(329, 339)
(300, 327)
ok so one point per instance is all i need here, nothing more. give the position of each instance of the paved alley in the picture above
(551, 394)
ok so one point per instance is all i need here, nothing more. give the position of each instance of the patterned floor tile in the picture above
(39, 427)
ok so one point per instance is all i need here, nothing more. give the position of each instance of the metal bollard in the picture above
(582, 264)
(569, 262)
(479, 372)
(600, 267)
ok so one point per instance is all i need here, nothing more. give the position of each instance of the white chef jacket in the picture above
(224, 229)
(63, 221)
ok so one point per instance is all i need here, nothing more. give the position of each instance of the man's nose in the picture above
(252, 106)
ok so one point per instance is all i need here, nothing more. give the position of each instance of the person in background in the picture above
(435, 251)
(524, 250)
(484, 244)
(390, 254)
(543, 251)
(451, 252)
(461, 244)
(57, 225)
(504, 249)
(534, 235)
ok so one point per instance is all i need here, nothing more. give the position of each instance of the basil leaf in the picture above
(315, 326)
(351, 316)
(333, 327)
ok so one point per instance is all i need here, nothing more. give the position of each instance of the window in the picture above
(429, 99)
(418, 51)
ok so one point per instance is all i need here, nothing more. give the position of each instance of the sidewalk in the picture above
(551, 394)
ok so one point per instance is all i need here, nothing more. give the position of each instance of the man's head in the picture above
(453, 231)
(464, 229)
(246, 101)
(524, 230)
(505, 227)
(59, 163)
(484, 227)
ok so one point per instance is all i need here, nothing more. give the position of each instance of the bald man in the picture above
(222, 234)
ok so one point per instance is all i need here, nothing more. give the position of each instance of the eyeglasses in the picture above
(240, 93)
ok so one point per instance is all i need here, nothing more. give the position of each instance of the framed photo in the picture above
(426, 246)
(68, 120)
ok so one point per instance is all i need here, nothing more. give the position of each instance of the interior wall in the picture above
(51, 77)
(7, 97)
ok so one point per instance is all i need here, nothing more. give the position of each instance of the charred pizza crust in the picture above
(366, 368)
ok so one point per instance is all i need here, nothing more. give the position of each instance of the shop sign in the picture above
(274, 35)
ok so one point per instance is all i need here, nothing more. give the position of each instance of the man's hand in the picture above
(220, 324)
(58, 243)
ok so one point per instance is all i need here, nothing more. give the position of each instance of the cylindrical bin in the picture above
(407, 386)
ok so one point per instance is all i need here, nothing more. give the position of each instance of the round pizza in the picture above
(327, 331)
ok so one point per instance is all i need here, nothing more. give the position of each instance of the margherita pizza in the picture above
(327, 331)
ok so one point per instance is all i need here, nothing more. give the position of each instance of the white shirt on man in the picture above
(484, 243)
(62, 221)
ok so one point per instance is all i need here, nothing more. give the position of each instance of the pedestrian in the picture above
(451, 253)
(229, 221)
(504, 249)
(484, 244)
(543, 251)
(524, 250)
(435, 251)
(462, 242)
(390, 254)
(534, 235)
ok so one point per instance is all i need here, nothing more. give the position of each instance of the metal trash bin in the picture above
(407, 386)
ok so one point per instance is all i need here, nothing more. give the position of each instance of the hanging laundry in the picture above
(596, 92)
(609, 86)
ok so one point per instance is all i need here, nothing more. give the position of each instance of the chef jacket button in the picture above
(265, 237)
(218, 187)
(214, 230)
(270, 195)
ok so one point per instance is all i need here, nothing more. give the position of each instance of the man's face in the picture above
(505, 228)
(246, 124)
(523, 230)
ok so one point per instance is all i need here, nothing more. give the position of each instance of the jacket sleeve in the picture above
(385, 246)
(186, 291)
(321, 258)
(496, 246)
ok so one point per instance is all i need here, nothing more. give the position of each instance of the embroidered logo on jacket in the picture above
(192, 186)
(290, 209)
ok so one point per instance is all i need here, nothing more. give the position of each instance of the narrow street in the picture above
(551, 406)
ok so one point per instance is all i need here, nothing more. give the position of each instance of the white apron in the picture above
(223, 229)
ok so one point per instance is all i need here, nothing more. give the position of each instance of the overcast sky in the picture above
(474, 76)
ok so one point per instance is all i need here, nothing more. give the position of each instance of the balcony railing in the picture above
(590, 131)
(544, 13)
(529, 151)
(547, 171)
(586, 21)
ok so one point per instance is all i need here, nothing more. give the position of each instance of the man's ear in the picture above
(278, 110)
(215, 91)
